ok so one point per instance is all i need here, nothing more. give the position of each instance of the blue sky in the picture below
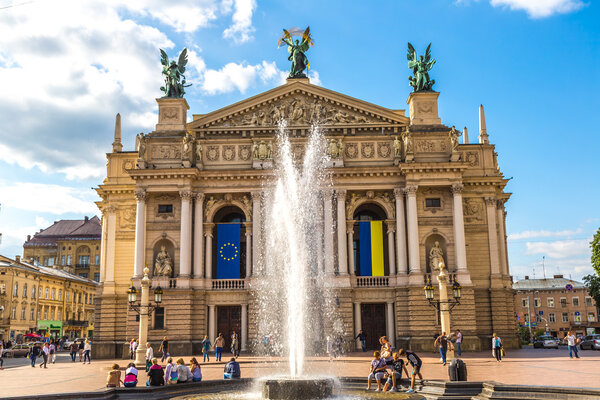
(68, 67)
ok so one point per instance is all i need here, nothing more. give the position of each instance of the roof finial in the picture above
(483, 136)
(117, 146)
(465, 136)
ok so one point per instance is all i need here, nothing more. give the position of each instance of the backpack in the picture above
(173, 376)
(130, 378)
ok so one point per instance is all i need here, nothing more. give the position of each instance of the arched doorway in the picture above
(229, 246)
(370, 248)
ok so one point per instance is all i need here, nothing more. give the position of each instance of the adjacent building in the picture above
(423, 192)
(556, 305)
(39, 299)
(71, 245)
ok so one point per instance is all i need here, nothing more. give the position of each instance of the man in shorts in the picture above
(395, 372)
(416, 363)
(378, 367)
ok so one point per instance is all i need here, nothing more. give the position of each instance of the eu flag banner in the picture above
(371, 248)
(228, 251)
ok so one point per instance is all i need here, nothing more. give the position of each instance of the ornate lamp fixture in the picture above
(144, 308)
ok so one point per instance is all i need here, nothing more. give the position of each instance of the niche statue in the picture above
(435, 256)
(163, 266)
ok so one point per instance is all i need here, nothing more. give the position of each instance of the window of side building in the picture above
(32, 316)
(575, 301)
(25, 290)
(550, 301)
(563, 302)
(159, 318)
(537, 302)
(525, 302)
(552, 317)
(588, 302)
(591, 317)
(565, 317)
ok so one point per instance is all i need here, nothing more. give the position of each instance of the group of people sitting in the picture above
(386, 364)
(172, 373)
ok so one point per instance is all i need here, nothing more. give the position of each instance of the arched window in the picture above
(369, 246)
(33, 293)
(25, 290)
(229, 248)
(16, 291)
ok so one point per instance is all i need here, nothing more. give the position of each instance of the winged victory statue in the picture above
(174, 74)
(420, 67)
(297, 48)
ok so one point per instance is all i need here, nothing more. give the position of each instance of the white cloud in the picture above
(559, 248)
(46, 198)
(543, 234)
(241, 29)
(240, 77)
(540, 8)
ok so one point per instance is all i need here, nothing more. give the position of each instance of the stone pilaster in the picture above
(185, 245)
(140, 233)
(341, 232)
(198, 242)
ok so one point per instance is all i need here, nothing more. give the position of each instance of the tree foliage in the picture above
(523, 333)
(595, 245)
(592, 282)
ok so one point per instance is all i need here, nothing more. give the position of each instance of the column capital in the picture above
(411, 190)
(457, 188)
(391, 225)
(186, 194)
(490, 201)
(199, 196)
(110, 209)
(350, 226)
(398, 192)
(341, 194)
(500, 203)
(208, 228)
(256, 195)
(140, 195)
(327, 192)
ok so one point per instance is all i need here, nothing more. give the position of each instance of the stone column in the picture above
(341, 231)
(413, 229)
(140, 353)
(211, 323)
(328, 231)
(490, 204)
(198, 243)
(140, 233)
(459, 228)
(244, 333)
(391, 228)
(256, 214)
(248, 250)
(357, 323)
(185, 235)
(208, 234)
(350, 233)
(501, 237)
(102, 250)
(400, 232)
(111, 231)
(391, 330)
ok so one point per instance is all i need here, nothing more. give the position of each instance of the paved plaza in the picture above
(546, 367)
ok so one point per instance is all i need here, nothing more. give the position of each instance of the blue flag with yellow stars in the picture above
(228, 251)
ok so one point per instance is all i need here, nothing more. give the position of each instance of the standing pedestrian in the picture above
(442, 344)
(149, 356)
(458, 342)
(164, 347)
(205, 349)
(52, 349)
(73, 351)
(34, 352)
(363, 340)
(497, 347)
(87, 351)
(235, 345)
(133, 344)
(80, 350)
(416, 363)
(219, 344)
(572, 342)
(45, 354)
(1, 355)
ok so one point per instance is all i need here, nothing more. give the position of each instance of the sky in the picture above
(67, 67)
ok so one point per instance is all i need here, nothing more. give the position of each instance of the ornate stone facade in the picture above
(410, 173)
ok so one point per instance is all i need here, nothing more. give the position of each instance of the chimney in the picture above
(483, 136)
(28, 238)
(558, 276)
(465, 136)
(117, 147)
(18, 259)
(526, 277)
(86, 218)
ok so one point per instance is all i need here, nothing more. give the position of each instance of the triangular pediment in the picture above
(301, 104)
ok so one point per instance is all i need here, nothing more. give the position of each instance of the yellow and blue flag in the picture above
(371, 248)
(228, 251)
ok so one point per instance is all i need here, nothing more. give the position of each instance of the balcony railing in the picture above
(372, 281)
(228, 284)
(74, 322)
(82, 265)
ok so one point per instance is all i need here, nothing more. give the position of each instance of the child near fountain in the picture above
(378, 367)
(416, 363)
(395, 373)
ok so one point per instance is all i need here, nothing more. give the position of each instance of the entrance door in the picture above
(373, 323)
(229, 318)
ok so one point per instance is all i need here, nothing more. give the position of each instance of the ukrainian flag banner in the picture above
(371, 248)
(228, 251)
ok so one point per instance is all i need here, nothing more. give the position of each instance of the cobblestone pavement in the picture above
(546, 367)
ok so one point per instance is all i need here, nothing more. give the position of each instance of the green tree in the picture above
(539, 332)
(523, 333)
(595, 245)
(592, 282)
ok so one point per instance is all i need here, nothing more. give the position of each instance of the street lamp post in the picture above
(144, 309)
(445, 305)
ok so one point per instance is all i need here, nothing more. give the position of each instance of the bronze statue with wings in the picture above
(420, 67)
(297, 48)
(174, 74)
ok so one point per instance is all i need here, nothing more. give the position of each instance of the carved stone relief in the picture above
(473, 211)
(212, 153)
(367, 150)
(168, 114)
(384, 149)
(216, 201)
(127, 218)
(387, 198)
(351, 150)
(245, 152)
(228, 152)
(425, 146)
(166, 152)
(128, 165)
(472, 157)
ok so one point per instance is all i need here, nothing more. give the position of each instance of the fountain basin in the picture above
(300, 389)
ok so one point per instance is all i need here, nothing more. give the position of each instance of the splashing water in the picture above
(295, 306)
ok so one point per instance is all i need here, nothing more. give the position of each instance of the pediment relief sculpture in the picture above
(216, 201)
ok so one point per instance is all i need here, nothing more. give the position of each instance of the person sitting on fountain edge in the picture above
(232, 370)
(416, 363)
(395, 372)
(378, 366)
